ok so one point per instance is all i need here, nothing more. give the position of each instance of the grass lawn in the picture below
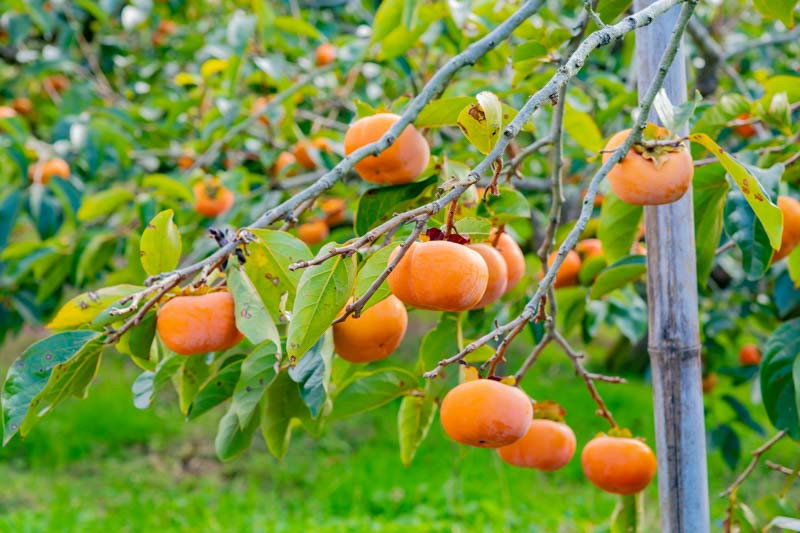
(102, 465)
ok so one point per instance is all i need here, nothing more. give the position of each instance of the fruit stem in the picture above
(497, 234)
(451, 214)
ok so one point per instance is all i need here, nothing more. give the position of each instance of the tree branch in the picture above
(757, 453)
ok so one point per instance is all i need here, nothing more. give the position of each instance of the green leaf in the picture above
(744, 229)
(611, 9)
(387, 18)
(252, 317)
(160, 246)
(378, 204)
(83, 309)
(509, 205)
(138, 340)
(413, 422)
(191, 375)
(782, 10)
(710, 190)
(481, 122)
(322, 293)
(267, 267)
(104, 203)
(628, 515)
(750, 181)
(618, 275)
(231, 439)
(43, 374)
(778, 377)
(445, 111)
(282, 404)
(369, 272)
(257, 373)
(297, 26)
(783, 83)
(168, 187)
(619, 225)
(438, 342)
(581, 127)
(217, 388)
(410, 12)
(313, 374)
(148, 383)
(476, 229)
(793, 262)
(371, 389)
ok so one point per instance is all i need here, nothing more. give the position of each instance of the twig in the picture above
(782, 469)
(757, 453)
(766, 40)
(640, 18)
(500, 353)
(513, 165)
(531, 359)
(725, 247)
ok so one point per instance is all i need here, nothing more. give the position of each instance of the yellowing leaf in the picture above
(481, 122)
(160, 246)
(185, 78)
(82, 309)
(766, 211)
(212, 66)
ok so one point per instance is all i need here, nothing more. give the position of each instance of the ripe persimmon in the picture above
(791, 226)
(191, 325)
(374, 335)
(744, 130)
(283, 160)
(548, 445)
(486, 413)
(313, 232)
(709, 382)
(22, 105)
(211, 198)
(640, 180)
(589, 248)
(43, 171)
(750, 355)
(258, 105)
(185, 161)
(402, 162)
(498, 274)
(301, 151)
(620, 465)
(440, 276)
(512, 253)
(325, 54)
(57, 83)
(567, 275)
(334, 209)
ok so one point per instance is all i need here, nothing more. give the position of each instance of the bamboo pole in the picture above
(674, 340)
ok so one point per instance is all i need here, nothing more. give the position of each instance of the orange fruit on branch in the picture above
(374, 335)
(750, 355)
(258, 106)
(211, 199)
(567, 274)
(548, 445)
(313, 232)
(486, 413)
(402, 162)
(620, 465)
(589, 248)
(791, 226)
(191, 325)
(43, 171)
(334, 209)
(283, 160)
(440, 276)
(498, 274)
(302, 151)
(325, 54)
(744, 130)
(512, 253)
(650, 177)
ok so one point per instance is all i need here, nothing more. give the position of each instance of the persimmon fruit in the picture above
(43, 171)
(283, 160)
(325, 54)
(567, 275)
(440, 276)
(22, 105)
(548, 445)
(302, 151)
(211, 198)
(589, 248)
(512, 253)
(486, 413)
(750, 355)
(790, 237)
(313, 232)
(402, 162)
(334, 209)
(640, 181)
(57, 83)
(191, 325)
(620, 465)
(374, 335)
(498, 274)
(258, 105)
(744, 130)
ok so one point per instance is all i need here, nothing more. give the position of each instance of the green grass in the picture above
(101, 464)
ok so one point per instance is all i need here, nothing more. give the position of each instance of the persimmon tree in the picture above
(250, 211)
